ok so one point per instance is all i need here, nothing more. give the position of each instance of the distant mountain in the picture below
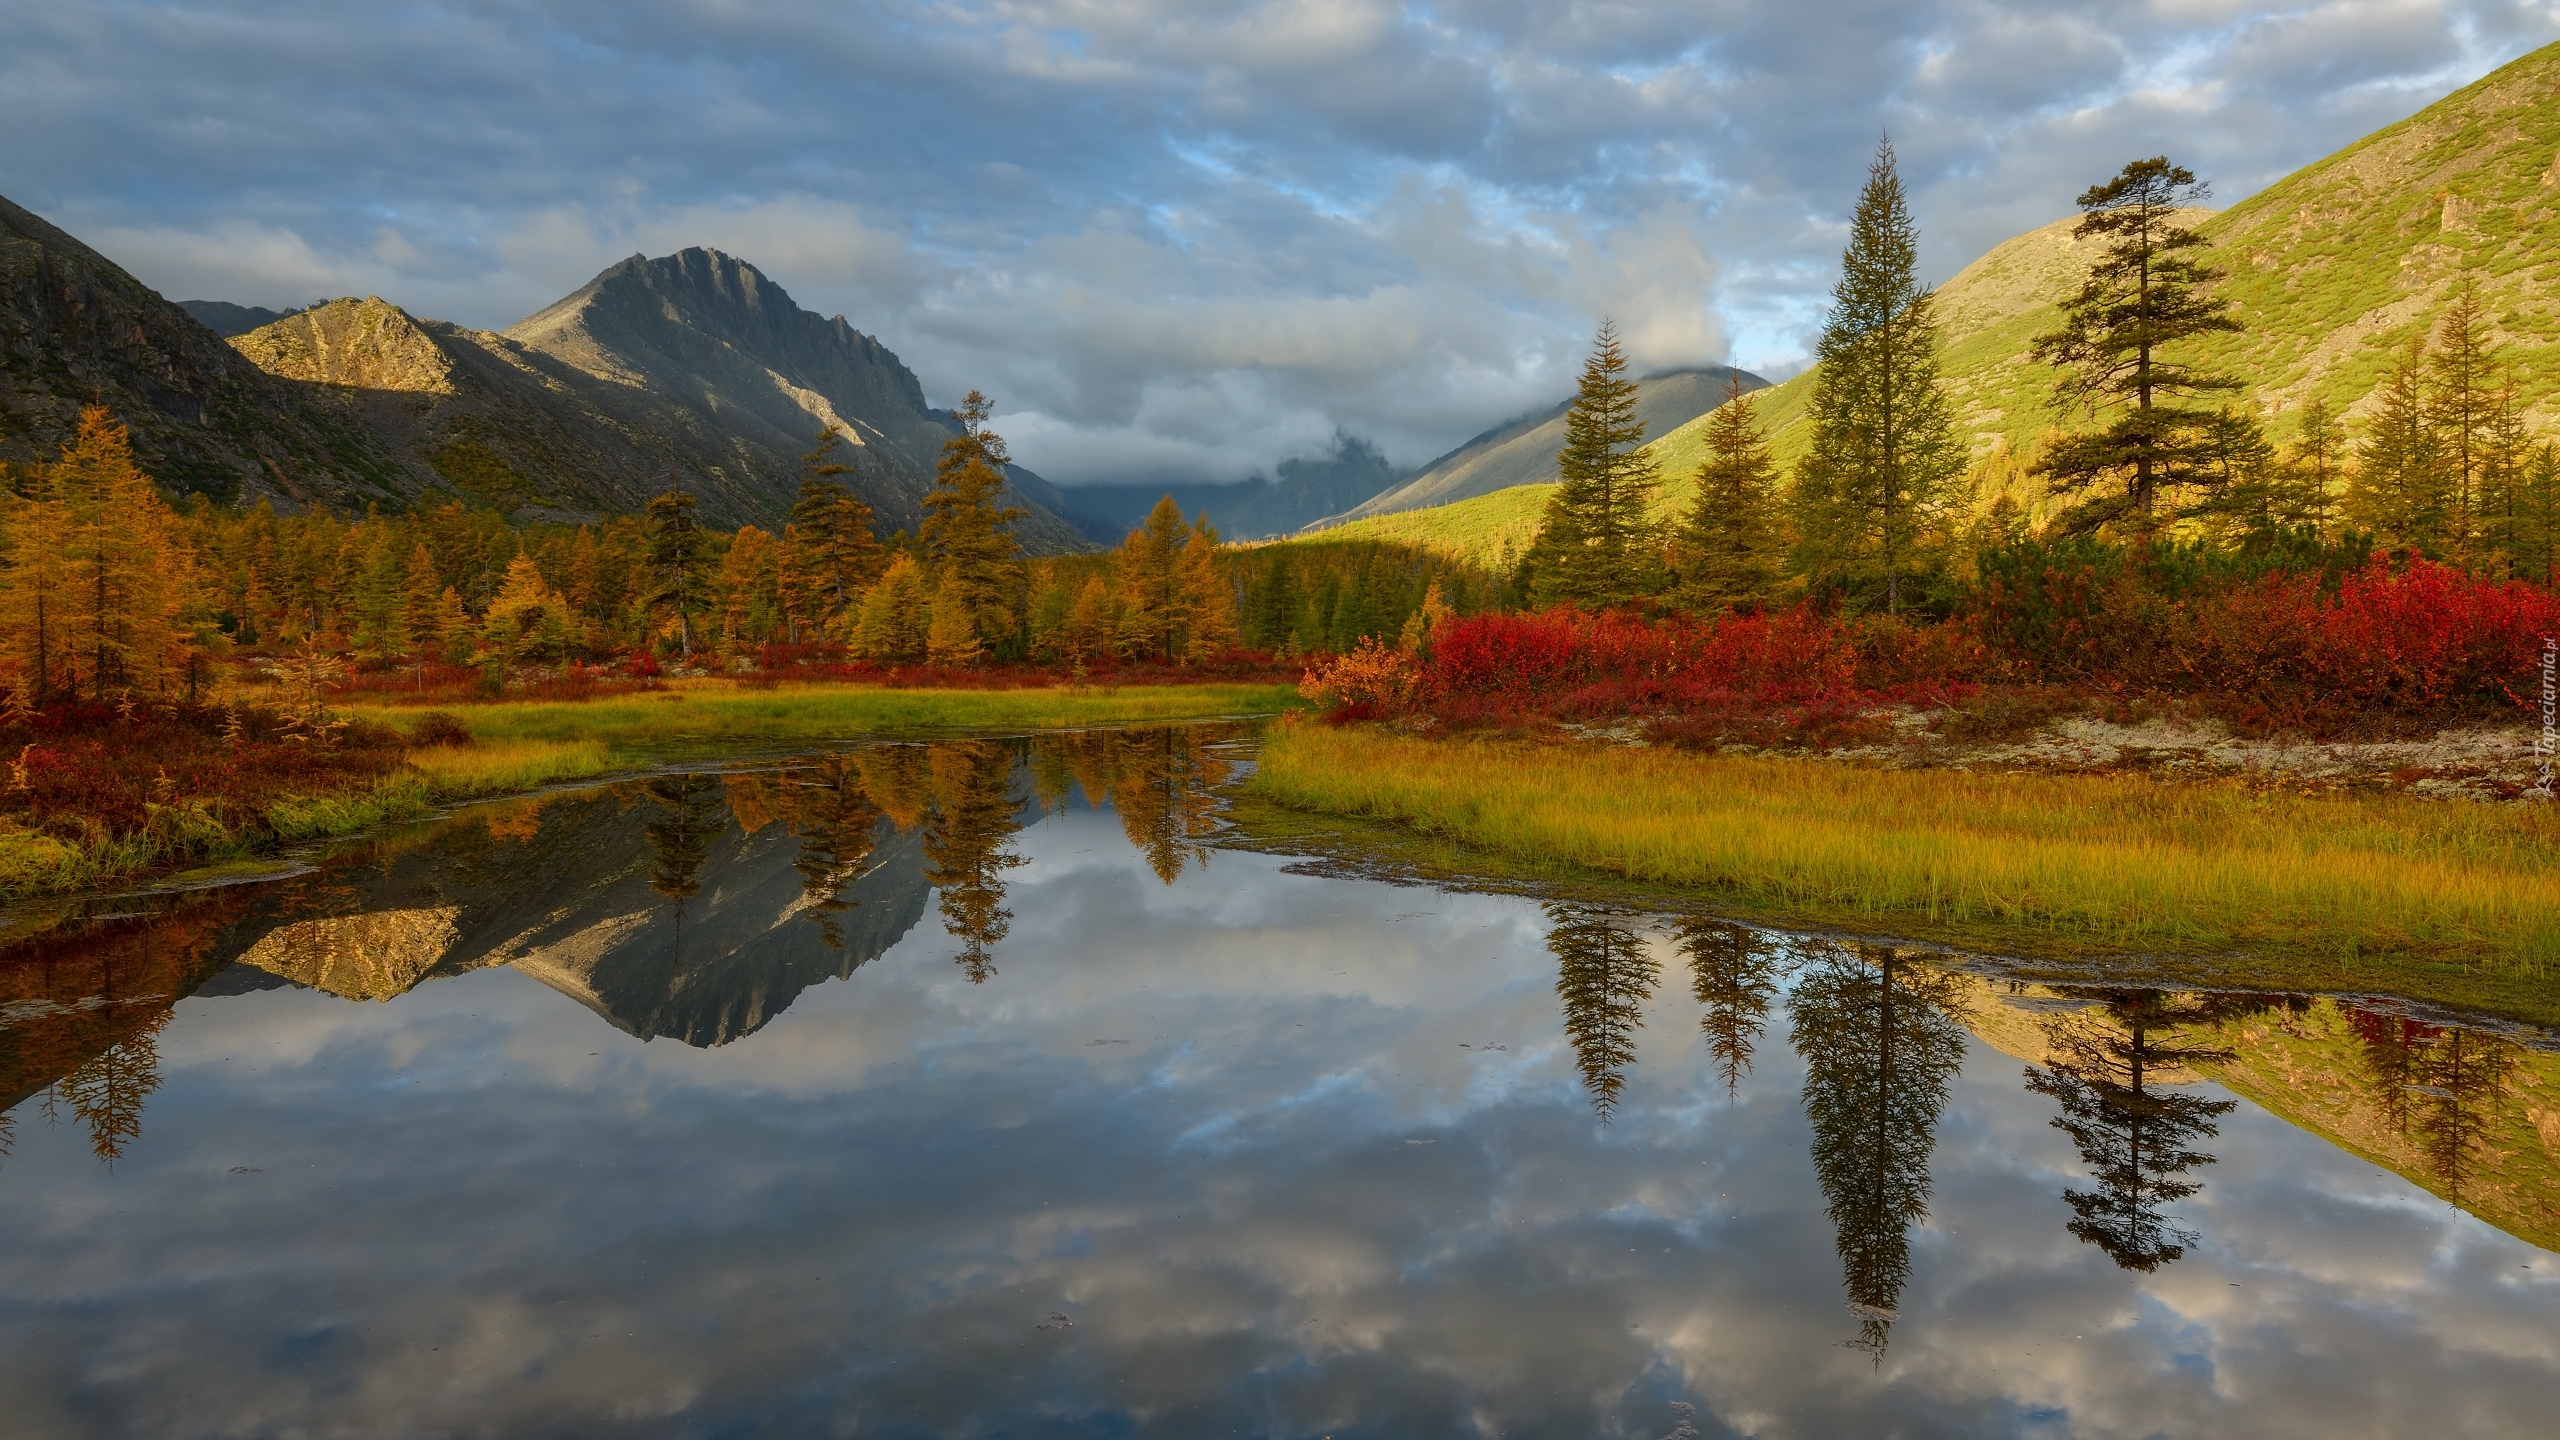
(1523, 452)
(1308, 488)
(75, 327)
(226, 319)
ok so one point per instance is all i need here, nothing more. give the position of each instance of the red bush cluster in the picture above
(84, 770)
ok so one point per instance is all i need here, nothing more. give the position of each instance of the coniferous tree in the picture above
(834, 552)
(1734, 975)
(676, 546)
(2313, 467)
(1208, 600)
(2461, 408)
(2537, 542)
(1879, 1048)
(1149, 567)
(837, 824)
(1884, 448)
(131, 577)
(1728, 549)
(2400, 491)
(2148, 291)
(892, 623)
(36, 600)
(2502, 514)
(1595, 546)
(973, 820)
(965, 531)
(1604, 975)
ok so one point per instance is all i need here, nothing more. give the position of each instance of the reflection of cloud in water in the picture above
(860, 1216)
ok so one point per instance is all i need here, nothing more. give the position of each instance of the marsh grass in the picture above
(2033, 863)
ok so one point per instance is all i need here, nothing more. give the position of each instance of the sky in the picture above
(1173, 241)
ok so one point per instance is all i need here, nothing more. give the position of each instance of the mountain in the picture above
(694, 364)
(1308, 488)
(226, 319)
(74, 327)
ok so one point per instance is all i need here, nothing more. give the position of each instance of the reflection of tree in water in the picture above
(690, 818)
(1604, 975)
(1735, 971)
(2440, 1081)
(973, 816)
(2107, 1067)
(1879, 1047)
(82, 1008)
(1161, 782)
(838, 825)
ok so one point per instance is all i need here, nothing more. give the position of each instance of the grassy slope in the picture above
(2331, 270)
(2454, 902)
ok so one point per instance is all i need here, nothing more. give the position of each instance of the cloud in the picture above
(1172, 238)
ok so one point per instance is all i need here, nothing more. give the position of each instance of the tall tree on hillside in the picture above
(1727, 550)
(1594, 545)
(2400, 491)
(834, 553)
(2462, 408)
(676, 546)
(2148, 290)
(975, 557)
(1884, 448)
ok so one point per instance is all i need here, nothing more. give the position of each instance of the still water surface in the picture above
(963, 1089)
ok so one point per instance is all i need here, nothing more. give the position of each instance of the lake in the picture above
(972, 1088)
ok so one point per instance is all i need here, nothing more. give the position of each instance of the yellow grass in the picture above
(2123, 860)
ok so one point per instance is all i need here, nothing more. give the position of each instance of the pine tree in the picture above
(2146, 292)
(964, 530)
(676, 545)
(1728, 549)
(1884, 449)
(1595, 545)
(2400, 491)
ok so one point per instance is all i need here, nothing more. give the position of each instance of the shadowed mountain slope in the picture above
(75, 328)
(1307, 489)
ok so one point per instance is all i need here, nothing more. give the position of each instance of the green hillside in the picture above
(2331, 270)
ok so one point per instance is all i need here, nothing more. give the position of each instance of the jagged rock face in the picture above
(74, 327)
(705, 343)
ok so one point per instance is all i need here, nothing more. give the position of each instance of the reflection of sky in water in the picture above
(1288, 1155)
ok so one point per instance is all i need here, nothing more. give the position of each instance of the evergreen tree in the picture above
(1595, 544)
(834, 552)
(2147, 291)
(1884, 448)
(1728, 549)
(2506, 452)
(2313, 468)
(1879, 1048)
(676, 546)
(965, 530)
(1734, 977)
(2400, 491)
(1604, 974)
(2537, 542)
(2461, 407)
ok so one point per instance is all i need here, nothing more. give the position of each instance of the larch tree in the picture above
(1148, 566)
(1883, 448)
(1727, 550)
(890, 626)
(2462, 407)
(966, 530)
(1208, 600)
(35, 605)
(2148, 290)
(131, 576)
(1595, 544)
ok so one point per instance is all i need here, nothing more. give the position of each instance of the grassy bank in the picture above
(514, 747)
(2203, 882)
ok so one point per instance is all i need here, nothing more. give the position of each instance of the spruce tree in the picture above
(1728, 548)
(2147, 291)
(1884, 448)
(1595, 546)
(2399, 491)
(834, 553)
(676, 545)
(965, 530)
(2537, 543)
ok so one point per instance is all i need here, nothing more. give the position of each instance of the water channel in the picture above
(972, 1088)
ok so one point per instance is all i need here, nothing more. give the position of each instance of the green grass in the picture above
(2213, 883)
(1488, 530)
(514, 741)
